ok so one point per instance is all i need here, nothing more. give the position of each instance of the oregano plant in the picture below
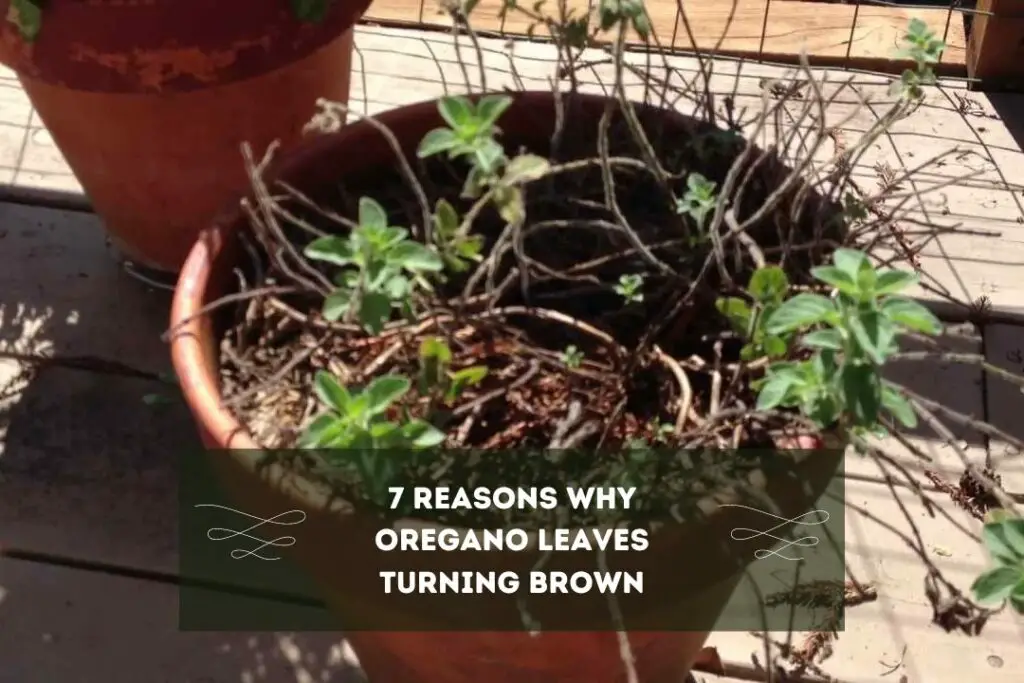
(355, 426)
(922, 47)
(572, 357)
(1003, 537)
(436, 378)
(360, 419)
(381, 269)
(699, 200)
(836, 344)
(470, 134)
(630, 287)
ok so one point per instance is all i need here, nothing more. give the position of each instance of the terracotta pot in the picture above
(150, 101)
(332, 537)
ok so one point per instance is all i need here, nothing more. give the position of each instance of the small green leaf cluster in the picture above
(612, 13)
(354, 427)
(767, 289)
(923, 48)
(470, 134)
(1003, 536)
(436, 378)
(630, 287)
(382, 268)
(572, 357)
(361, 420)
(850, 336)
(699, 200)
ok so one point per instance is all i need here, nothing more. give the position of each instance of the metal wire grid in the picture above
(956, 10)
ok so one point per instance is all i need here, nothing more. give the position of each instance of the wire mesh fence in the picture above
(862, 35)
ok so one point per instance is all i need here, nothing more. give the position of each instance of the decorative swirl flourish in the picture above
(802, 541)
(223, 534)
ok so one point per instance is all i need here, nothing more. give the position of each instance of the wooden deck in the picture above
(865, 37)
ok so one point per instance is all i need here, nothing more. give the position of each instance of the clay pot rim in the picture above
(191, 334)
(167, 46)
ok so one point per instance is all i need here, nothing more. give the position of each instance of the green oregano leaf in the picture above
(997, 584)
(803, 310)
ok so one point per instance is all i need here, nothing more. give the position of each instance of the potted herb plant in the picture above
(150, 101)
(492, 277)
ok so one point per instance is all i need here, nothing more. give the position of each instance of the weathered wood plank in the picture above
(997, 45)
(865, 37)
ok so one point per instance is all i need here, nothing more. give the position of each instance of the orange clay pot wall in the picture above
(150, 101)
(518, 657)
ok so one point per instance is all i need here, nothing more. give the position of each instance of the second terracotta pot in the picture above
(151, 116)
